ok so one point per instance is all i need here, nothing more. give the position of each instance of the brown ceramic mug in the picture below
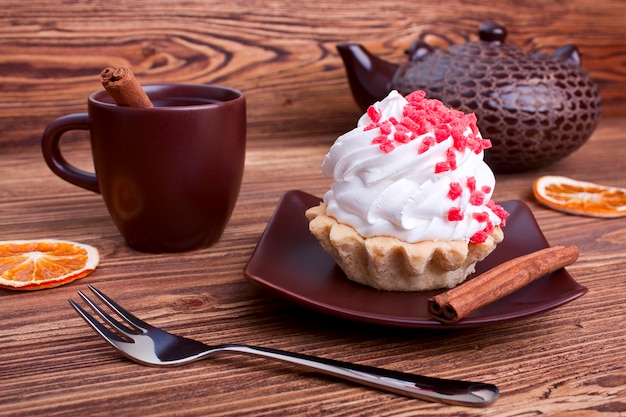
(169, 175)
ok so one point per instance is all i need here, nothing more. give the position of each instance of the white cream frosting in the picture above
(398, 192)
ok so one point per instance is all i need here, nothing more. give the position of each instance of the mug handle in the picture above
(54, 158)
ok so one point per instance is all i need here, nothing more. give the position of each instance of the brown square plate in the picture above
(290, 262)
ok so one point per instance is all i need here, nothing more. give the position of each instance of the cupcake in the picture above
(410, 205)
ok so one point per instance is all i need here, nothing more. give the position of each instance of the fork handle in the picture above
(446, 391)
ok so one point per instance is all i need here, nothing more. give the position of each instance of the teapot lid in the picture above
(492, 32)
(490, 47)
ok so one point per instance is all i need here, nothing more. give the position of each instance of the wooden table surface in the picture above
(568, 361)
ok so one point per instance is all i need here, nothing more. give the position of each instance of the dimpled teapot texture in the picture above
(536, 108)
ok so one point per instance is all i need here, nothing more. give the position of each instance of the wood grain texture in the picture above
(566, 362)
(280, 53)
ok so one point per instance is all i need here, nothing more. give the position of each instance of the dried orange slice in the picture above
(580, 197)
(38, 264)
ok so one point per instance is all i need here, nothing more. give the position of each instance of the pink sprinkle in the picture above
(370, 127)
(385, 127)
(460, 141)
(416, 96)
(402, 134)
(442, 133)
(476, 146)
(387, 146)
(481, 217)
(451, 158)
(427, 143)
(410, 124)
(499, 211)
(456, 190)
(471, 183)
(402, 137)
(425, 127)
(401, 128)
(477, 198)
(486, 189)
(442, 167)
(457, 133)
(379, 139)
(455, 214)
(410, 111)
(374, 114)
(479, 237)
(489, 228)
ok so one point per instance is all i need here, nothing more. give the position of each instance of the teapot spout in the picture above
(369, 76)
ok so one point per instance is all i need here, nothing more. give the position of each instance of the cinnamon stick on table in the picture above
(455, 304)
(124, 87)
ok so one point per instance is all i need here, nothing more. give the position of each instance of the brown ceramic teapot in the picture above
(535, 108)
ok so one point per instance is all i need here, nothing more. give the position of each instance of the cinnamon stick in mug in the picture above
(500, 281)
(122, 85)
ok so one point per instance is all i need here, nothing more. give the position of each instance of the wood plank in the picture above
(568, 361)
(281, 54)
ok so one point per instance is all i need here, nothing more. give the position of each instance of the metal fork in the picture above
(149, 345)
